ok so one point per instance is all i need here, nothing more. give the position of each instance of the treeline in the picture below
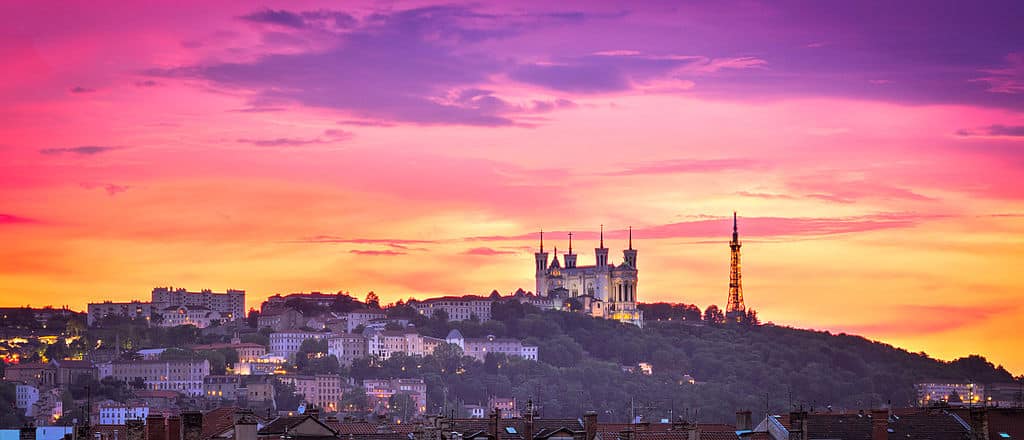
(735, 366)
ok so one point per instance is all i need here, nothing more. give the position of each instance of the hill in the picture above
(735, 367)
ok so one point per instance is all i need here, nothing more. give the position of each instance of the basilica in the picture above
(603, 290)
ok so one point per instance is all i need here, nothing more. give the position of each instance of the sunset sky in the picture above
(873, 151)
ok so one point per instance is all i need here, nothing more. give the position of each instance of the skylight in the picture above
(510, 430)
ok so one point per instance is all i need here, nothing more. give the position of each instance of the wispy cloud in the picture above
(995, 130)
(374, 252)
(9, 219)
(110, 188)
(485, 252)
(85, 150)
(686, 166)
(80, 89)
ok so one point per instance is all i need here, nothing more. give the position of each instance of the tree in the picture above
(354, 400)
(372, 301)
(750, 318)
(285, 397)
(714, 315)
(253, 318)
(138, 383)
(401, 406)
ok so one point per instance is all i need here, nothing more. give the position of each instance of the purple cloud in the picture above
(80, 89)
(86, 150)
(994, 130)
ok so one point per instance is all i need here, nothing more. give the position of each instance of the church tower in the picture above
(601, 253)
(629, 255)
(541, 274)
(570, 258)
(735, 310)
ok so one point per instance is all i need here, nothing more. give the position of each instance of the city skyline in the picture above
(872, 151)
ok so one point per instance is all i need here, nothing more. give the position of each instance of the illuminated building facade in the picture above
(609, 291)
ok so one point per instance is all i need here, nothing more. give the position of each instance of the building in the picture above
(384, 343)
(380, 391)
(322, 390)
(949, 392)
(25, 397)
(612, 289)
(479, 347)
(474, 411)
(279, 319)
(457, 308)
(896, 424)
(347, 347)
(288, 342)
(247, 351)
(362, 317)
(32, 373)
(199, 316)
(222, 387)
(70, 371)
(506, 406)
(230, 305)
(49, 408)
(131, 309)
(183, 376)
(119, 414)
(261, 366)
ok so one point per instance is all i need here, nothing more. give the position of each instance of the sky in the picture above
(874, 153)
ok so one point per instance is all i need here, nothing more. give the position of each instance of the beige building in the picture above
(347, 347)
(185, 377)
(479, 347)
(457, 308)
(384, 343)
(322, 390)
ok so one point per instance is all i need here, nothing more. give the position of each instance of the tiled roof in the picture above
(911, 424)
(218, 420)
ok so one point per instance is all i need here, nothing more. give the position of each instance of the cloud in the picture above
(85, 150)
(679, 166)
(485, 251)
(9, 219)
(757, 227)
(80, 89)
(330, 136)
(258, 110)
(335, 239)
(1008, 79)
(842, 189)
(994, 130)
(412, 66)
(770, 196)
(376, 252)
(944, 318)
(110, 188)
(146, 83)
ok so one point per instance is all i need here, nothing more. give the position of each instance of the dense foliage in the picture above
(735, 367)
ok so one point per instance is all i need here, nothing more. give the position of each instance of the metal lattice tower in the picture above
(735, 310)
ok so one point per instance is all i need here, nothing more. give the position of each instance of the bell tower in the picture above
(629, 255)
(541, 259)
(570, 258)
(601, 253)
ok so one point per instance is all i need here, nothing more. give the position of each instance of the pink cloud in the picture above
(485, 251)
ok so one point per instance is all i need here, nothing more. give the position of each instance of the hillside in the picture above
(735, 367)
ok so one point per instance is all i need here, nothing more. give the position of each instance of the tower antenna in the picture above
(735, 310)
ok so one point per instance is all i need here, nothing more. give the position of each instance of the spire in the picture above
(631, 237)
(735, 229)
(602, 236)
(734, 221)
(570, 242)
(542, 240)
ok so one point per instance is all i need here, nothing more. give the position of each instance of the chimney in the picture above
(528, 426)
(879, 424)
(174, 428)
(495, 421)
(191, 425)
(27, 432)
(743, 421)
(156, 429)
(135, 429)
(979, 423)
(590, 424)
(798, 429)
(245, 426)
(313, 412)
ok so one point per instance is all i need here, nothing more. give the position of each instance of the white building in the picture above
(385, 343)
(104, 369)
(362, 317)
(133, 310)
(183, 376)
(457, 308)
(25, 397)
(287, 343)
(117, 414)
(953, 393)
(199, 316)
(230, 305)
(479, 347)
